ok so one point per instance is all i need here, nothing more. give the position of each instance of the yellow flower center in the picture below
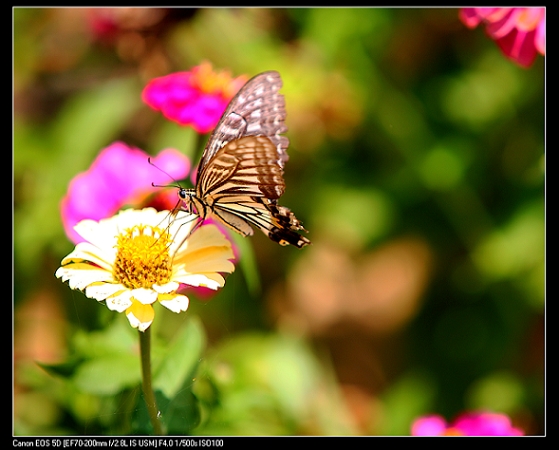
(142, 258)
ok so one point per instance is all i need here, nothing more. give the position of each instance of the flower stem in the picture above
(149, 396)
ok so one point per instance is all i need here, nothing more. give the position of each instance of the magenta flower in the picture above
(519, 32)
(197, 98)
(467, 424)
(120, 176)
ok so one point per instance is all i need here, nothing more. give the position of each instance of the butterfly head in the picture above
(186, 196)
(191, 203)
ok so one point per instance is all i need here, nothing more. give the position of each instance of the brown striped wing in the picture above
(241, 185)
(246, 166)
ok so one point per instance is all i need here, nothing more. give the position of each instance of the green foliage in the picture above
(243, 393)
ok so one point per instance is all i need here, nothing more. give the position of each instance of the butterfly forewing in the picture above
(240, 176)
(244, 166)
(258, 109)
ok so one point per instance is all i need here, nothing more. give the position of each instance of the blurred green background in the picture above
(416, 163)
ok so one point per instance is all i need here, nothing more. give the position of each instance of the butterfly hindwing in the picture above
(275, 221)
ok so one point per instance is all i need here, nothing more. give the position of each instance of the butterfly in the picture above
(240, 175)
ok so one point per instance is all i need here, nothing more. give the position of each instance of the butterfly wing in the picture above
(245, 166)
(240, 175)
(241, 186)
(258, 109)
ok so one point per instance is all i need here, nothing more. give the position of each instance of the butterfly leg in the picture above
(199, 221)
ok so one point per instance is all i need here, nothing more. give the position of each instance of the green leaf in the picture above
(108, 375)
(181, 359)
(119, 337)
(64, 369)
(179, 414)
(182, 413)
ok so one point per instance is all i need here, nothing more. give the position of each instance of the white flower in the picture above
(137, 257)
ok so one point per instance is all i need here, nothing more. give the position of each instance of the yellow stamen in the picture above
(143, 258)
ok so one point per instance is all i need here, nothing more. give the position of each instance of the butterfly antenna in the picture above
(175, 184)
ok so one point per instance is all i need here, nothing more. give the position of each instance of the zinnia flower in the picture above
(196, 98)
(519, 32)
(467, 424)
(137, 258)
(120, 176)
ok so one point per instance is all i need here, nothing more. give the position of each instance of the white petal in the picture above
(102, 291)
(176, 304)
(120, 302)
(198, 279)
(101, 234)
(145, 296)
(136, 323)
(140, 316)
(199, 263)
(80, 279)
(103, 257)
(147, 216)
(204, 236)
(171, 286)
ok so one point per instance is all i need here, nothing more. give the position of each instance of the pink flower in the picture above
(103, 23)
(197, 98)
(108, 24)
(120, 176)
(467, 424)
(519, 32)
